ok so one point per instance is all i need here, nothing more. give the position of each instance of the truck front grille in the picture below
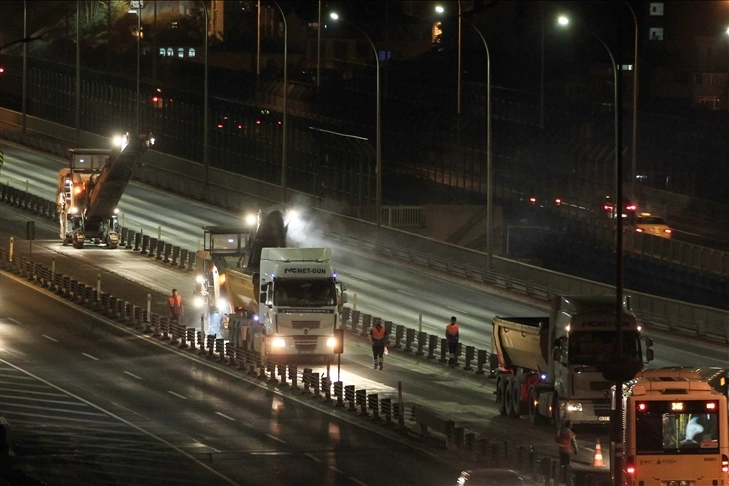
(600, 385)
(306, 324)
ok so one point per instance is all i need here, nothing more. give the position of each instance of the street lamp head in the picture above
(439, 9)
(562, 20)
(334, 16)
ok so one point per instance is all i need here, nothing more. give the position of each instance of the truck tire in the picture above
(534, 417)
(500, 394)
(516, 404)
(509, 396)
(78, 244)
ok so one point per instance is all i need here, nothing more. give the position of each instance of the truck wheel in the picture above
(534, 416)
(555, 410)
(500, 394)
(509, 396)
(515, 398)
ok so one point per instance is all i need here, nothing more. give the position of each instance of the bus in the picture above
(675, 429)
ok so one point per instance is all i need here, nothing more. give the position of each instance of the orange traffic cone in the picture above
(598, 462)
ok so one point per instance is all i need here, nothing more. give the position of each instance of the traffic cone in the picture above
(598, 462)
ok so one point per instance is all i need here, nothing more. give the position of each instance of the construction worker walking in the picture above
(174, 305)
(567, 446)
(378, 337)
(451, 335)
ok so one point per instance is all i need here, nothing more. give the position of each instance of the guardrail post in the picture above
(366, 323)
(183, 258)
(373, 403)
(294, 376)
(361, 397)
(166, 256)
(470, 352)
(399, 332)
(355, 321)
(160, 250)
(346, 315)
(339, 393)
(480, 361)
(350, 396)
(131, 238)
(137, 241)
(409, 338)
(422, 338)
(307, 380)
(386, 408)
(326, 385)
(443, 350)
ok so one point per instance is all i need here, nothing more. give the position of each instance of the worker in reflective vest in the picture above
(451, 335)
(175, 306)
(567, 446)
(378, 337)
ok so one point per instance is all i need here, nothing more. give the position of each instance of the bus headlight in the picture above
(278, 343)
(331, 342)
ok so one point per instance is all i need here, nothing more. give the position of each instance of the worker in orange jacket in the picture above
(378, 338)
(451, 335)
(174, 305)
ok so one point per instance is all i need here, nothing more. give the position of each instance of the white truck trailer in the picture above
(549, 367)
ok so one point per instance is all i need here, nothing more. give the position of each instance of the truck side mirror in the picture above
(343, 286)
(556, 354)
(649, 354)
(262, 297)
(344, 298)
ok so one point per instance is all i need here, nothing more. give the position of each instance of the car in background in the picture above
(492, 477)
(651, 225)
(607, 204)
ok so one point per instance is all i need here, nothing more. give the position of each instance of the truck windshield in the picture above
(304, 293)
(660, 428)
(586, 346)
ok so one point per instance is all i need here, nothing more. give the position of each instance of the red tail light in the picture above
(558, 201)
(532, 200)
(638, 230)
(724, 463)
(630, 466)
(667, 231)
(630, 207)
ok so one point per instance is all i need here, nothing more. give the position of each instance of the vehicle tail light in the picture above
(724, 463)
(638, 230)
(630, 207)
(532, 200)
(667, 230)
(558, 201)
(630, 466)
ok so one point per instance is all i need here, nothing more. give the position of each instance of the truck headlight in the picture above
(222, 304)
(574, 407)
(278, 343)
(331, 342)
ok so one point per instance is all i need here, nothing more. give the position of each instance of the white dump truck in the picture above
(264, 297)
(549, 367)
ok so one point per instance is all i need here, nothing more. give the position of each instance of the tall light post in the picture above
(378, 170)
(139, 57)
(616, 444)
(285, 108)
(25, 61)
(489, 163)
(633, 171)
(206, 121)
(78, 73)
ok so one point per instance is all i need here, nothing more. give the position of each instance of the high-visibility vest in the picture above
(564, 439)
(379, 335)
(175, 302)
(452, 332)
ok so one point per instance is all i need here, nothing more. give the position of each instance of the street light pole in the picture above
(378, 143)
(78, 74)
(25, 61)
(458, 81)
(489, 164)
(633, 172)
(285, 108)
(489, 152)
(139, 56)
(616, 441)
(206, 121)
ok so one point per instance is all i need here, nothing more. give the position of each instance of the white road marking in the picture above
(312, 457)
(177, 395)
(14, 321)
(338, 471)
(133, 375)
(276, 438)
(50, 338)
(90, 357)
(377, 308)
(357, 277)
(406, 293)
(355, 480)
(225, 416)
(457, 310)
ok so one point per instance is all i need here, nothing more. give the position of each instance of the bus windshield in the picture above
(304, 293)
(675, 427)
(587, 347)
